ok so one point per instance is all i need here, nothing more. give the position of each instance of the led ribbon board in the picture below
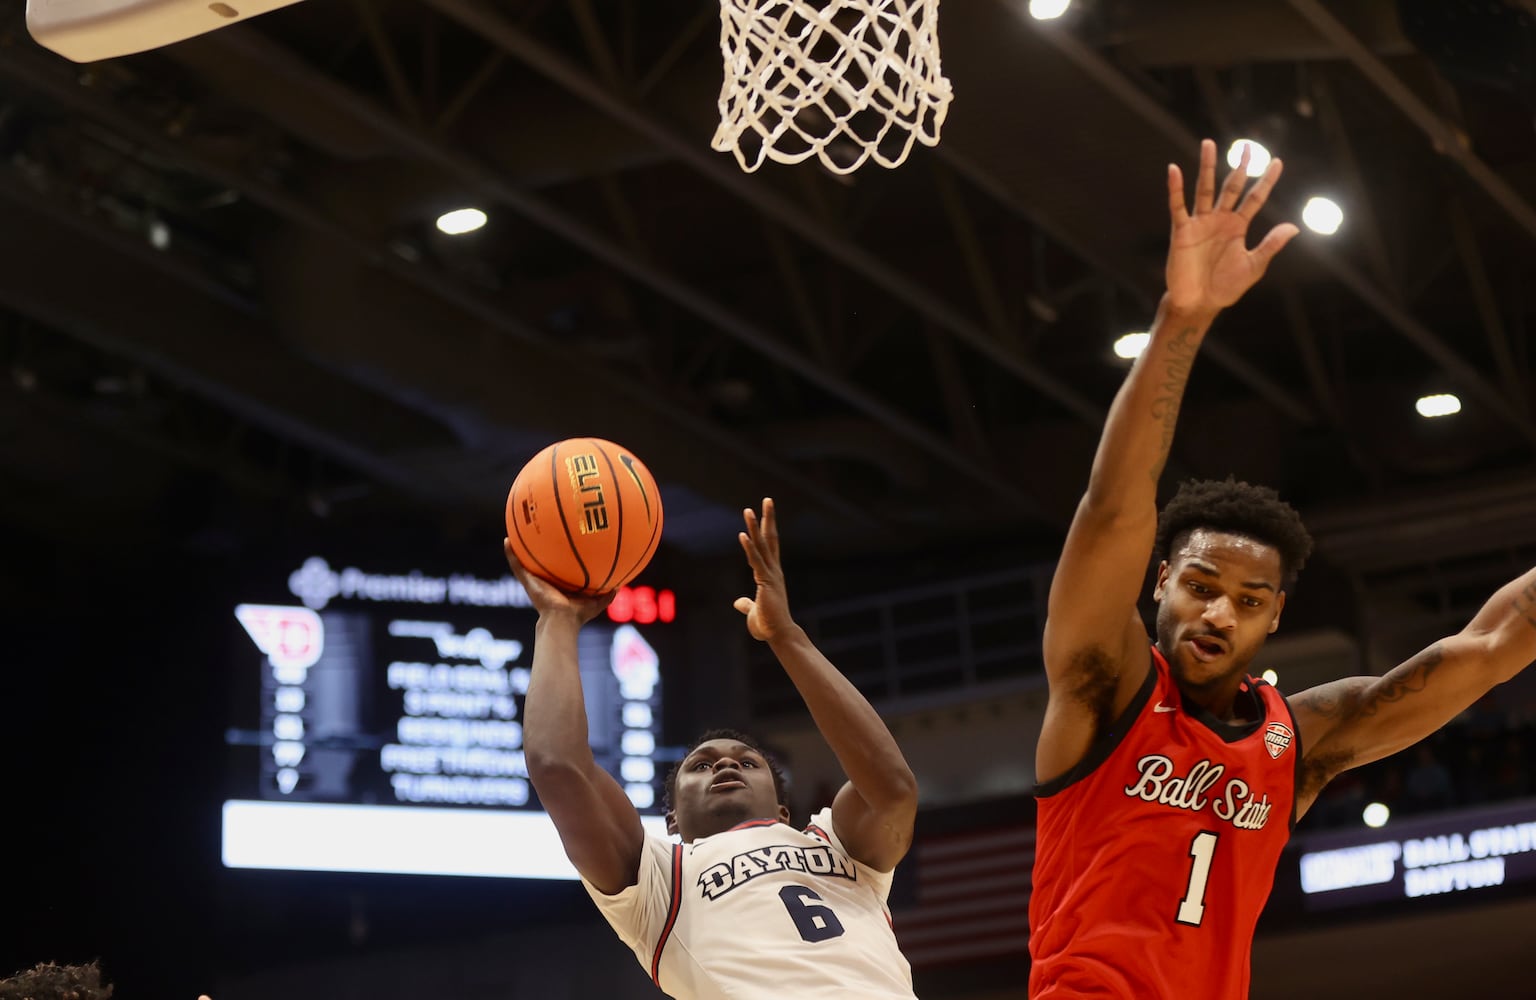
(1458, 853)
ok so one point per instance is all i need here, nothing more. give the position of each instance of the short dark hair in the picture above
(1241, 508)
(56, 982)
(780, 784)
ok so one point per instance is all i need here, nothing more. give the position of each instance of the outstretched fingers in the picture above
(770, 532)
(1178, 212)
(1259, 193)
(761, 541)
(1205, 183)
(749, 546)
(1232, 187)
(1274, 241)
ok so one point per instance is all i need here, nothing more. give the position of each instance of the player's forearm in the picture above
(555, 713)
(1359, 720)
(1138, 432)
(852, 728)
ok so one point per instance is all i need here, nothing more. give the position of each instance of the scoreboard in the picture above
(386, 731)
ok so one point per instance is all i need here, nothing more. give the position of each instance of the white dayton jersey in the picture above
(761, 911)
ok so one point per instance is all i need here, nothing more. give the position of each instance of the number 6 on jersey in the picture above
(815, 921)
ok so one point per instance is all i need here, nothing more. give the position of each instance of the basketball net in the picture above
(842, 80)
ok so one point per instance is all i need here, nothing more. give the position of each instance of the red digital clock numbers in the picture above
(643, 605)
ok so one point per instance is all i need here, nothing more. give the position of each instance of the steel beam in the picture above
(481, 19)
(44, 75)
(1446, 141)
(486, 179)
(1095, 67)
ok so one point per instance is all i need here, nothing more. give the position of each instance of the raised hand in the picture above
(550, 600)
(1209, 263)
(768, 614)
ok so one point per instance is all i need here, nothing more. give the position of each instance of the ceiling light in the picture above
(1270, 677)
(1131, 345)
(1322, 215)
(1258, 157)
(1048, 10)
(461, 221)
(1440, 404)
(1376, 815)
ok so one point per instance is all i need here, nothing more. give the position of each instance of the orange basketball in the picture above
(585, 515)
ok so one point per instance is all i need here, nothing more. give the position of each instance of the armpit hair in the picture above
(1319, 769)
(1095, 679)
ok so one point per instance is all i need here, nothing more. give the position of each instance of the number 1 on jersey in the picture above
(1192, 907)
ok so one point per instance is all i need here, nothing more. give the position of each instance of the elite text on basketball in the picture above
(594, 506)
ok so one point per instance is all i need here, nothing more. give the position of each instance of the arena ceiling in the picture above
(222, 288)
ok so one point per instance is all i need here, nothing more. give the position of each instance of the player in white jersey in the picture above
(746, 906)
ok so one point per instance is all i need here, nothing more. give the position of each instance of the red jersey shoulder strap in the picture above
(1280, 726)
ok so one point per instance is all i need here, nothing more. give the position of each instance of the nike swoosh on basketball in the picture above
(1160, 707)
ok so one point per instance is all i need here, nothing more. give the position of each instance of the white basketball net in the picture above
(843, 80)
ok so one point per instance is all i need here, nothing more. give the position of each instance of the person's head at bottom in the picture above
(56, 982)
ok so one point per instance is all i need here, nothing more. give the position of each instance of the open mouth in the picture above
(1207, 648)
(727, 781)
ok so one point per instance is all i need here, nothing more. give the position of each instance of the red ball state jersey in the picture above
(1155, 854)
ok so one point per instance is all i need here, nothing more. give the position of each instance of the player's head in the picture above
(1228, 549)
(56, 982)
(725, 778)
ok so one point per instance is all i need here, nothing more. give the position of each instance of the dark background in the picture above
(915, 362)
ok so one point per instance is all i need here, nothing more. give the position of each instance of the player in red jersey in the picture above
(1169, 779)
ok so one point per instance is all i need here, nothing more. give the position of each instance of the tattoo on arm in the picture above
(1328, 705)
(1414, 677)
(1525, 604)
(1165, 408)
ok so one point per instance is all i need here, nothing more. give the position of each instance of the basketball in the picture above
(585, 515)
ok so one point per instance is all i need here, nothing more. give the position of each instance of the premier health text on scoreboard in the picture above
(390, 737)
